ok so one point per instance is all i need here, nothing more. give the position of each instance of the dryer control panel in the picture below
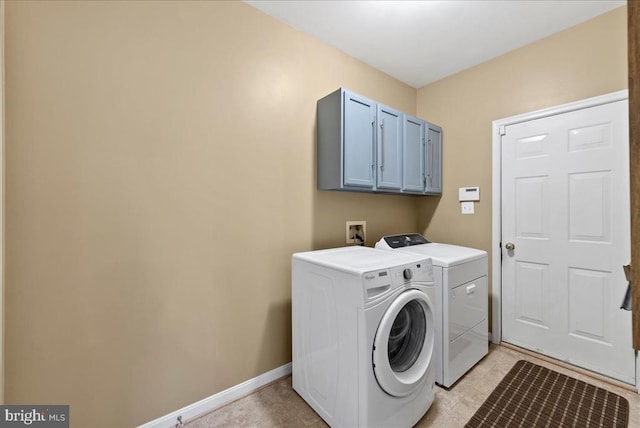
(406, 240)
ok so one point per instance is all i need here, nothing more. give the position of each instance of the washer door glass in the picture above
(407, 335)
(403, 346)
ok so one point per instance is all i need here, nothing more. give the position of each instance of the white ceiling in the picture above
(419, 42)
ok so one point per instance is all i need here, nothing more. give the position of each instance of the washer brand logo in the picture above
(369, 277)
(36, 416)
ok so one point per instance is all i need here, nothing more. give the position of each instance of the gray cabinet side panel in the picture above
(329, 141)
(434, 160)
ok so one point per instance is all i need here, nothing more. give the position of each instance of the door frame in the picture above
(496, 191)
(2, 181)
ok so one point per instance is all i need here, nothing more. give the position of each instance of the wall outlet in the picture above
(356, 232)
(467, 207)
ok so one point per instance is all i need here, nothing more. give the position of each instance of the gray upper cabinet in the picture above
(364, 146)
(433, 157)
(389, 142)
(413, 174)
(346, 142)
(358, 144)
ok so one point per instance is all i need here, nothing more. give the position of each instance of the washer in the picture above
(363, 335)
(461, 275)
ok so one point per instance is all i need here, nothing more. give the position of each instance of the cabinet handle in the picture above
(430, 163)
(373, 147)
(424, 172)
(382, 145)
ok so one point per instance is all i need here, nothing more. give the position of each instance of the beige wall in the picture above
(160, 173)
(587, 60)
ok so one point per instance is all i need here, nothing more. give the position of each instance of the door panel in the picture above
(530, 210)
(565, 209)
(532, 279)
(359, 119)
(588, 301)
(413, 155)
(590, 193)
(389, 148)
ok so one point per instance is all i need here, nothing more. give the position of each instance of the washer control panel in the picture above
(377, 283)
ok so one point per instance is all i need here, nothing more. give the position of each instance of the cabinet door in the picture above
(389, 151)
(434, 160)
(413, 176)
(359, 122)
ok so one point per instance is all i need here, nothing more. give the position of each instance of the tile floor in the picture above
(278, 405)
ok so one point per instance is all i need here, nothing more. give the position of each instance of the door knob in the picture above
(510, 246)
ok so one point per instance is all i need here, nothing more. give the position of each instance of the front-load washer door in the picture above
(403, 346)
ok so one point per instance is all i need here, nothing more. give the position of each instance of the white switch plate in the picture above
(467, 207)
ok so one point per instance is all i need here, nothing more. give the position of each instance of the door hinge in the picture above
(502, 130)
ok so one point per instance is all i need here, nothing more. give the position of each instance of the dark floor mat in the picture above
(534, 396)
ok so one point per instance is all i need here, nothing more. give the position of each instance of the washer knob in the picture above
(407, 274)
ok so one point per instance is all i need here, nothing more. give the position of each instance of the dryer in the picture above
(363, 335)
(463, 327)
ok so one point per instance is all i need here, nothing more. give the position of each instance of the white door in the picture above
(565, 212)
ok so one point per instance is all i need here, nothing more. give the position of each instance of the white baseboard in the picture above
(218, 400)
